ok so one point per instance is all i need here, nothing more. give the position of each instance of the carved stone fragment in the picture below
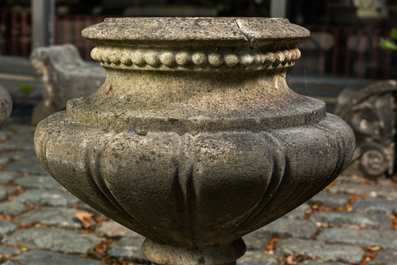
(5, 106)
(65, 76)
(371, 112)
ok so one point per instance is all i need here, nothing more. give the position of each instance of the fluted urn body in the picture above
(194, 139)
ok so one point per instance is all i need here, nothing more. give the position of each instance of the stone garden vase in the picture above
(194, 139)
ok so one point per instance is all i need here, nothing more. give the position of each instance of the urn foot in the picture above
(164, 254)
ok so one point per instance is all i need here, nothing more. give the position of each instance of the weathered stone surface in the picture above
(60, 217)
(113, 229)
(320, 250)
(257, 240)
(5, 106)
(7, 176)
(43, 257)
(370, 190)
(375, 205)
(12, 208)
(194, 147)
(355, 219)
(6, 227)
(384, 257)
(285, 228)
(128, 248)
(47, 198)
(9, 251)
(39, 182)
(65, 241)
(259, 258)
(6, 191)
(384, 239)
(330, 200)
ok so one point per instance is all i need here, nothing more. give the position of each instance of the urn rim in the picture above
(250, 32)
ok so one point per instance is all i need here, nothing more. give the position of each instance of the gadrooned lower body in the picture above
(202, 191)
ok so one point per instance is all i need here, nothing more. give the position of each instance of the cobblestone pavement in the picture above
(351, 222)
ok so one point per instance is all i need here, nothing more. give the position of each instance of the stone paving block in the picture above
(385, 182)
(9, 251)
(310, 262)
(330, 200)
(298, 213)
(39, 182)
(383, 239)
(385, 257)
(43, 257)
(6, 191)
(259, 258)
(112, 229)
(16, 145)
(12, 208)
(375, 205)
(7, 176)
(371, 190)
(4, 160)
(128, 248)
(350, 179)
(355, 219)
(17, 131)
(6, 227)
(320, 250)
(27, 162)
(60, 217)
(47, 198)
(285, 228)
(66, 241)
(87, 208)
(257, 240)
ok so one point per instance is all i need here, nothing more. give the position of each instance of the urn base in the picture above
(165, 254)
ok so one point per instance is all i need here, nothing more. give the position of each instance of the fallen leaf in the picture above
(87, 219)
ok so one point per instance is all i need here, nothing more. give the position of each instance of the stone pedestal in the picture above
(194, 139)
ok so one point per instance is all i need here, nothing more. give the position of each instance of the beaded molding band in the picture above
(193, 60)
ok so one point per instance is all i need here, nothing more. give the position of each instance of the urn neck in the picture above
(195, 102)
(190, 75)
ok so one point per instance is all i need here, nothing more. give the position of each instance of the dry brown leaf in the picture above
(87, 219)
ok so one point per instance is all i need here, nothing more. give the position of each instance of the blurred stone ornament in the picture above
(5, 106)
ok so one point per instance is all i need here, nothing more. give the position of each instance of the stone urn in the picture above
(5, 106)
(194, 139)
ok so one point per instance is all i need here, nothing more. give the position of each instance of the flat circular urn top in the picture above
(176, 31)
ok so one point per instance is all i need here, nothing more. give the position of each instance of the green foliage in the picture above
(393, 34)
(25, 88)
(389, 44)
